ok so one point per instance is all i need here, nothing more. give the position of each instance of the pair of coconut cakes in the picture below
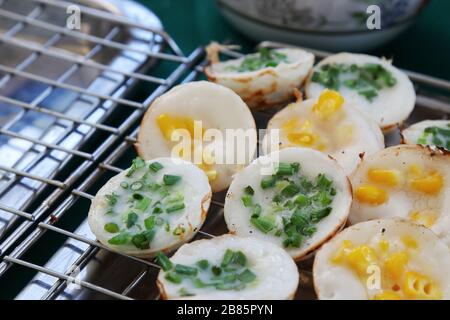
(325, 188)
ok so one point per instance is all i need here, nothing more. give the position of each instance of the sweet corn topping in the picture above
(384, 246)
(409, 242)
(387, 295)
(360, 258)
(398, 280)
(328, 104)
(383, 176)
(302, 134)
(168, 124)
(430, 184)
(371, 194)
(426, 217)
(418, 287)
(395, 265)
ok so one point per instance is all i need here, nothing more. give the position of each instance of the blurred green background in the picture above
(423, 48)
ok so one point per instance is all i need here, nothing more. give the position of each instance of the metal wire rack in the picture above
(81, 260)
(44, 131)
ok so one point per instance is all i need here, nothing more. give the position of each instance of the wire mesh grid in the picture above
(48, 115)
(433, 105)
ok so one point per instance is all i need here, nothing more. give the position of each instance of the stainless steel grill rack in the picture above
(82, 268)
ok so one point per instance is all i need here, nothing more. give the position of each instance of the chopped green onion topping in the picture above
(157, 210)
(155, 166)
(143, 204)
(137, 185)
(247, 276)
(111, 228)
(249, 190)
(112, 199)
(120, 239)
(185, 293)
(268, 182)
(437, 136)
(142, 240)
(163, 261)
(174, 277)
(178, 231)
(264, 223)
(263, 59)
(175, 207)
(131, 219)
(247, 200)
(297, 205)
(367, 79)
(135, 165)
(284, 169)
(185, 270)
(203, 264)
(149, 222)
(124, 184)
(170, 180)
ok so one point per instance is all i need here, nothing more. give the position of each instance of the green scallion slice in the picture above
(247, 276)
(264, 223)
(170, 180)
(163, 261)
(185, 293)
(178, 231)
(137, 185)
(268, 182)
(131, 219)
(247, 200)
(284, 169)
(143, 204)
(203, 264)
(249, 190)
(174, 277)
(120, 239)
(155, 166)
(290, 190)
(185, 270)
(175, 207)
(149, 222)
(111, 227)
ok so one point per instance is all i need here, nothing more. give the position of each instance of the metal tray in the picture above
(84, 269)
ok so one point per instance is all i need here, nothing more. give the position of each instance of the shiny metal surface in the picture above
(57, 87)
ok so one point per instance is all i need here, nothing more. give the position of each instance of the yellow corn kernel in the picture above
(415, 170)
(371, 195)
(383, 244)
(342, 252)
(168, 124)
(426, 217)
(383, 176)
(328, 104)
(387, 295)
(302, 138)
(429, 184)
(290, 125)
(409, 242)
(394, 266)
(418, 286)
(360, 258)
